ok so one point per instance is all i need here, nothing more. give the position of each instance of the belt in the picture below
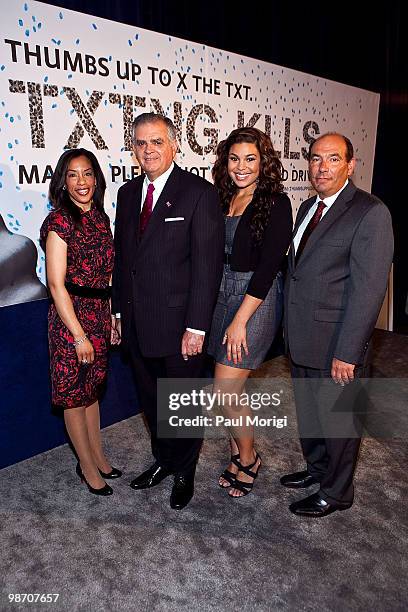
(88, 292)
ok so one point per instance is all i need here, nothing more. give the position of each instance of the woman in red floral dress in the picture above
(77, 239)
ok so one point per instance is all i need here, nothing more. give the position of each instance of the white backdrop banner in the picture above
(72, 80)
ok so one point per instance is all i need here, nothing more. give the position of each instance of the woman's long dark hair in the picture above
(59, 197)
(269, 180)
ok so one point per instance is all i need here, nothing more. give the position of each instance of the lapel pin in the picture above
(168, 204)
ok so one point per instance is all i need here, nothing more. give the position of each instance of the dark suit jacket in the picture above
(167, 280)
(334, 294)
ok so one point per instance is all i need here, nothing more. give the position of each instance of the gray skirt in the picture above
(261, 327)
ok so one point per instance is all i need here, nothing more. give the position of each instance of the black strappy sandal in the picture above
(228, 475)
(246, 487)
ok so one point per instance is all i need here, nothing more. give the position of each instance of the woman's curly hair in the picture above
(269, 180)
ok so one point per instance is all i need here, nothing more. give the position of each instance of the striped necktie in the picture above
(309, 228)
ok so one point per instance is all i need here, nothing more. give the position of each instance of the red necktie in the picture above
(147, 209)
(309, 228)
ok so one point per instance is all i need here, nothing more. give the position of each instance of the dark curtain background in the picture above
(361, 44)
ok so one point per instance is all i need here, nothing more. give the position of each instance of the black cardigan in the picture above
(267, 259)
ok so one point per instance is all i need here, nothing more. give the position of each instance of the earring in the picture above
(64, 188)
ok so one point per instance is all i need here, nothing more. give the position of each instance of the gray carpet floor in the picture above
(132, 552)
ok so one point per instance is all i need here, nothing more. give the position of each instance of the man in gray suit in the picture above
(339, 263)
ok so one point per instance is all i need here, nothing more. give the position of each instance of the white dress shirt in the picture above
(158, 183)
(328, 202)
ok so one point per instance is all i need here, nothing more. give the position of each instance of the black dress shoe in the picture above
(315, 506)
(114, 473)
(182, 492)
(150, 478)
(298, 480)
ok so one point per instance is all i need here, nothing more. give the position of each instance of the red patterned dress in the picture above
(90, 257)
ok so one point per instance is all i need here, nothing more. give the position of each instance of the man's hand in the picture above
(115, 331)
(342, 372)
(191, 344)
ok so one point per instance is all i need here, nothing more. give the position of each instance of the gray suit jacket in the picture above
(334, 294)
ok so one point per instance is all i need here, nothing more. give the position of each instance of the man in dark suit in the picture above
(169, 240)
(339, 263)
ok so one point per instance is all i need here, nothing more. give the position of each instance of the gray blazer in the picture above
(334, 294)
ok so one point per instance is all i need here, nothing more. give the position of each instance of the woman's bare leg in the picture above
(93, 422)
(231, 380)
(75, 422)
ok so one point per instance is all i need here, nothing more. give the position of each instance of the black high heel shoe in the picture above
(228, 475)
(246, 487)
(114, 473)
(106, 490)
